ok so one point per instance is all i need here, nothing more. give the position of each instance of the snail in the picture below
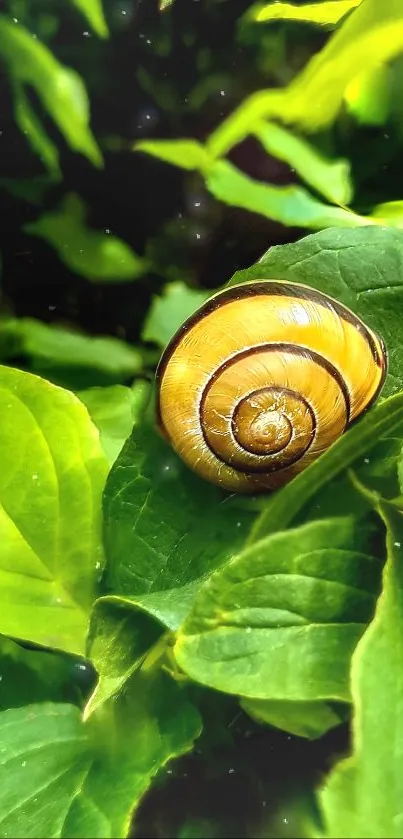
(262, 379)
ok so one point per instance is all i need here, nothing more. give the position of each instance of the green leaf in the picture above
(118, 640)
(51, 480)
(371, 36)
(29, 676)
(303, 719)
(66, 357)
(391, 212)
(61, 777)
(290, 205)
(93, 12)
(325, 12)
(89, 253)
(187, 154)
(329, 177)
(168, 312)
(368, 96)
(114, 410)
(61, 90)
(164, 4)
(361, 268)
(155, 512)
(126, 630)
(284, 506)
(363, 796)
(31, 126)
(281, 620)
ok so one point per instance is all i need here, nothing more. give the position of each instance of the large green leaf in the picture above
(61, 90)
(51, 480)
(61, 777)
(281, 620)
(90, 253)
(164, 526)
(361, 268)
(363, 796)
(325, 12)
(93, 11)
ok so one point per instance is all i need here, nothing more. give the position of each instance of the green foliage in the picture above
(60, 776)
(280, 620)
(368, 38)
(60, 89)
(93, 12)
(268, 600)
(66, 357)
(167, 313)
(137, 599)
(115, 410)
(363, 794)
(325, 13)
(331, 178)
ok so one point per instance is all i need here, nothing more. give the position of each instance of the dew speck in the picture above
(24, 763)
(248, 629)
(35, 476)
(397, 544)
(87, 34)
(366, 460)
(231, 771)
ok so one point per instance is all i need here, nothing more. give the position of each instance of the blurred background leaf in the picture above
(93, 11)
(90, 253)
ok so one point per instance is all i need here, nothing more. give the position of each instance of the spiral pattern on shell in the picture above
(263, 379)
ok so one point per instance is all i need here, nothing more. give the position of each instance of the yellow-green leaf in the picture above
(93, 12)
(51, 481)
(323, 13)
(60, 89)
(330, 177)
(291, 205)
(363, 796)
(187, 154)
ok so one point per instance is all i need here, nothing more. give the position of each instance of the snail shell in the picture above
(262, 379)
